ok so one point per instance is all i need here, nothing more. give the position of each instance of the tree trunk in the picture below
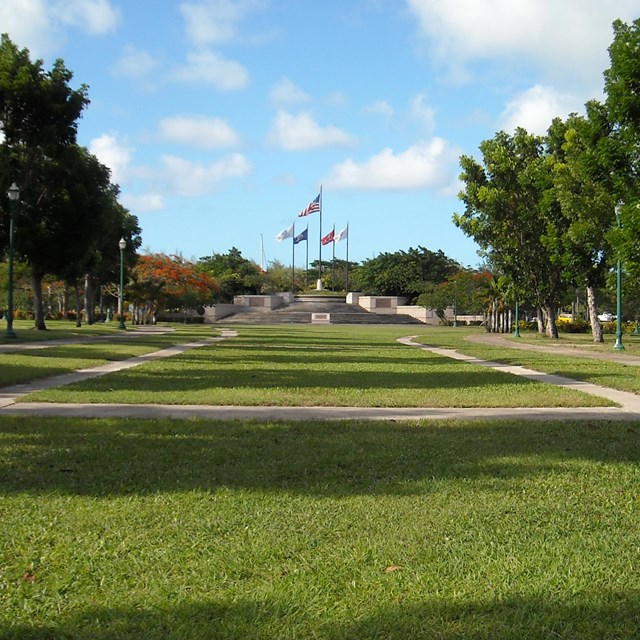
(592, 305)
(78, 307)
(540, 321)
(65, 301)
(89, 299)
(38, 309)
(552, 329)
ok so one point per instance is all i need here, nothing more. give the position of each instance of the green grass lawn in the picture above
(23, 363)
(193, 530)
(57, 329)
(585, 341)
(317, 366)
(616, 375)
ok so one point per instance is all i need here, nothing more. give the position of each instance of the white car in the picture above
(606, 317)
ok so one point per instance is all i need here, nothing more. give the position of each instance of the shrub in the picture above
(579, 325)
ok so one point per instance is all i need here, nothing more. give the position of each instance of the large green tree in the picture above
(235, 274)
(403, 273)
(583, 185)
(509, 203)
(622, 87)
(38, 118)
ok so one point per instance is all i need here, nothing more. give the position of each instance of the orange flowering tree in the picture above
(160, 282)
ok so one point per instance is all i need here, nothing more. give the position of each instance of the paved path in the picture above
(628, 409)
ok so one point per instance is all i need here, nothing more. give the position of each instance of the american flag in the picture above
(314, 205)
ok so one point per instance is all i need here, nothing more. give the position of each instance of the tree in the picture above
(234, 274)
(38, 118)
(403, 273)
(509, 203)
(465, 290)
(622, 87)
(162, 282)
(583, 187)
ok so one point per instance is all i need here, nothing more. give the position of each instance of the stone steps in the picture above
(300, 312)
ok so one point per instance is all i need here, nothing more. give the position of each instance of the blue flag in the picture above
(301, 236)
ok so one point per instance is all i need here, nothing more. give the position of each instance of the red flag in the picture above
(329, 237)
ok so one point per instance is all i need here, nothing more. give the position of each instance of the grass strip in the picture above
(316, 366)
(617, 375)
(22, 365)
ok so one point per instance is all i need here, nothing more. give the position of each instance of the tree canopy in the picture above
(68, 206)
(234, 274)
(403, 273)
(509, 208)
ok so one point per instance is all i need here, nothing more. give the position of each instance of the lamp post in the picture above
(516, 333)
(618, 345)
(14, 196)
(122, 244)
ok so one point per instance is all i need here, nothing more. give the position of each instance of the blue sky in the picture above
(220, 119)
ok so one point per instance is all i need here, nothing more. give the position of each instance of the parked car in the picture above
(606, 317)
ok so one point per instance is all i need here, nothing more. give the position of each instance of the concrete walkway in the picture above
(628, 409)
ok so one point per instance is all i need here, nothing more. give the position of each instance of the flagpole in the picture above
(333, 260)
(347, 278)
(319, 284)
(293, 255)
(306, 270)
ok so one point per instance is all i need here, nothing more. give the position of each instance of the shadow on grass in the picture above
(124, 457)
(588, 616)
(187, 379)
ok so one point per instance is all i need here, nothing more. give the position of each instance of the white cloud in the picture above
(285, 92)
(427, 165)
(97, 17)
(424, 113)
(29, 24)
(40, 25)
(113, 153)
(207, 67)
(187, 178)
(199, 132)
(337, 99)
(135, 64)
(300, 132)
(535, 108)
(567, 39)
(212, 22)
(381, 108)
(143, 203)
(201, 67)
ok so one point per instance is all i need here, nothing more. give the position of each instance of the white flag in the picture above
(284, 234)
(343, 234)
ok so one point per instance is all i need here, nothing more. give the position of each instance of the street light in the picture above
(618, 345)
(516, 333)
(122, 244)
(14, 196)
